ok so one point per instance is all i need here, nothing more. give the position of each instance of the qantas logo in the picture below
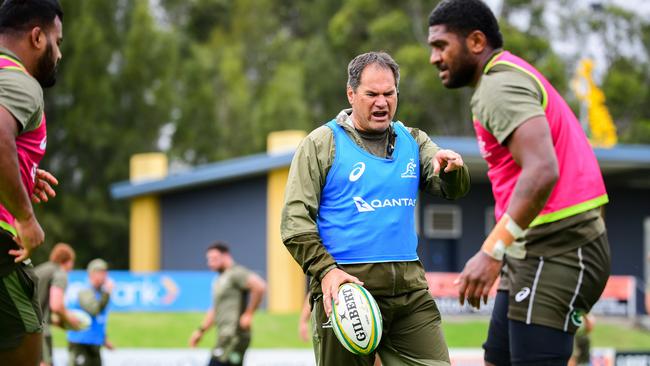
(363, 206)
(357, 171)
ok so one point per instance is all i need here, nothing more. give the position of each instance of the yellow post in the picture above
(144, 231)
(285, 278)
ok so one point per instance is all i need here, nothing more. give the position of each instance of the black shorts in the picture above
(20, 312)
(512, 342)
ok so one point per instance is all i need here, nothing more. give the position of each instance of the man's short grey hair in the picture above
(359, 63)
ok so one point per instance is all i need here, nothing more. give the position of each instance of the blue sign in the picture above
(154, 291)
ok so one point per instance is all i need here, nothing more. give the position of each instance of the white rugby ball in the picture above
(356, 320)
(83, 317)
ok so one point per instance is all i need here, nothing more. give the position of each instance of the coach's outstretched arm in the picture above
(443, 172)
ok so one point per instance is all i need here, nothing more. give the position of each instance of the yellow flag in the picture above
(601, 126)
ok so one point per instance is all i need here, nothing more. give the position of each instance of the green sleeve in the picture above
(504, 99)
(240, 277)
(90, 303)
(451, 185)
(22, 96)
(60, 279)
(307, 176)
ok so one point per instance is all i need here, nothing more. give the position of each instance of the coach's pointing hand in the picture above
(477, 279)
(330, 286)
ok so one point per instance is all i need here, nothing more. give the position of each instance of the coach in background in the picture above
(349, 216)
(236, 294)
(84, 346)
(52, 282)
(547, 187)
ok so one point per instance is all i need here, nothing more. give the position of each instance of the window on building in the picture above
(442, 221)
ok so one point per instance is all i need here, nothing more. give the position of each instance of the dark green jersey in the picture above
(49, 275)
(229, 298)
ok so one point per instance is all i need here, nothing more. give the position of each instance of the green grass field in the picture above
(172, 330)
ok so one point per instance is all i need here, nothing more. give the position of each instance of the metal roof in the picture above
(620, 159)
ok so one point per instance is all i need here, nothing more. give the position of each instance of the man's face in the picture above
(48, 61)
(97, 278)
(375, 100)
(215, 260)
(449, 53)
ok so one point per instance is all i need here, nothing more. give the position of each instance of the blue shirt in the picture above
(367, 207)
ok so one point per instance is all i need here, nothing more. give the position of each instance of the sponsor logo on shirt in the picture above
(410, 170)
(364, 206)
(44, 143)
(357, 171)
(522, 294)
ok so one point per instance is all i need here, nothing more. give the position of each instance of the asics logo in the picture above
(522, 294)
(357, 171)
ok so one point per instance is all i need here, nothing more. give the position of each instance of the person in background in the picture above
(52, 282)
(236, 295)
(84, 347)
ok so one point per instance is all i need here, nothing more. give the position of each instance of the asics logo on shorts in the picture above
(522, 294)
(357, 171)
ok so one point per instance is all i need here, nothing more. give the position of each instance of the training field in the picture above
(172, 330)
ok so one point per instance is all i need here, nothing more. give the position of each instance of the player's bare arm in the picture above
(13, 195)
(257, 287)
(532, 148)
(206, 324)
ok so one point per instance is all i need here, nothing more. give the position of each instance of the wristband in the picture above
(505, 232)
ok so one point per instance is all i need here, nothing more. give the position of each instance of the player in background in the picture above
(84, 346)
(547, 187)
(52, 282)
(236, 294)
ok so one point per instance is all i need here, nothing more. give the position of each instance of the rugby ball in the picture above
(83, 317)
(356, 320)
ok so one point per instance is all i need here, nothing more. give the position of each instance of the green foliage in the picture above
(204, 80)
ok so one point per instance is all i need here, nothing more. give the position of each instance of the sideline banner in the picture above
(618, 298)
(155, 291)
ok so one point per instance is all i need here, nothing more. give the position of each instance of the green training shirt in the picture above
(21, 95)
(229, 299)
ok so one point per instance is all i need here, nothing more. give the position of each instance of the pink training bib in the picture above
(30, 147)
(580, 186)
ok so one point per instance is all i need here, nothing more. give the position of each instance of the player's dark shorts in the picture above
(230, 349)
(411, 336)
(533, 323)
(20, 312)
(84, 355)
(556, 291)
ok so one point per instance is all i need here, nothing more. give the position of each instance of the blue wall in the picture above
(234, 212)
